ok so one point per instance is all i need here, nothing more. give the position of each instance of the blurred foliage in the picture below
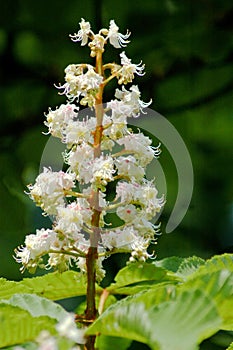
(187, 48)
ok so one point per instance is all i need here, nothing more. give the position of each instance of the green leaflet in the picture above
(179, 324)
(181, 266)
(216, 263)
(9, 288)
(219, 285)
(114, 343)
(19, 326)
(37, 306)
(53, 286)
(38, 314)
(26, 346)
(230, 347)
(138, 276)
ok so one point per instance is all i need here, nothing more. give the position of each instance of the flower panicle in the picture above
(72, 198)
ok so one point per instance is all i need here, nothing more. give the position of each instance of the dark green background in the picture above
(187, 47)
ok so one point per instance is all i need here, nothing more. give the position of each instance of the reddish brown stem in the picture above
(92, 254)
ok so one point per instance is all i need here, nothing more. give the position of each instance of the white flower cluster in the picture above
(118, 161)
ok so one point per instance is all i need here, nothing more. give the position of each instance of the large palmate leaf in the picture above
(53, 286)
(19, 326)
(139, 276)
(179, 324)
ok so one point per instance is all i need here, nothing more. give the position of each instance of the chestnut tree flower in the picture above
(117, 39)
(101, 153)
(83, 33)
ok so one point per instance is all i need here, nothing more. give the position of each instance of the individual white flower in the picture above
(67, 328)
(125, 191)
(91, 79)
(119, 110)
(79, 82)
(119, 238)
(128, 167)
(22, 256)
(126, 74)
(140, 145)
(117, 39)
(58, 120)
(36, 245)
(80, 160)
(79, 131)
(145, 195)
(145, 227)
(127, 213)
(40, 242)
(131, 99)
(103, 170)
(149, 198)
(70, 220)
(139, 250)
(83, 33)
(48, 190)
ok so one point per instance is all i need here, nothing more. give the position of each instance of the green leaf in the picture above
(189, 265)
(37, 306)
(156, 295)
(114, 343)
(19, 326)
(26, 346)
(57, 285)
(178, 324)
(53, 286)
(230, 347)
(219, 286)
(217, 262)
(181, 266)
(171, 264)
(9, 288)
(139, 276)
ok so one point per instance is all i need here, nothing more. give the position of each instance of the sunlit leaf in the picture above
(114, 343)
(9, 288)
(219, 286)
(230, 347)
(178, 324)
(19, 326)
(139, 276)
(38, 306)
(181, 266)
(54, 286)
